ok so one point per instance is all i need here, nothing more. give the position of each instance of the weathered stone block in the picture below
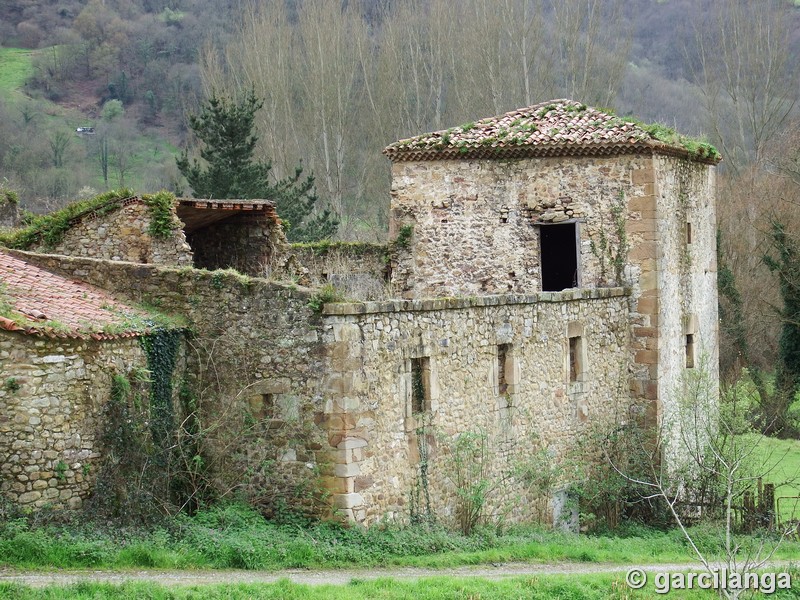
(347, 500)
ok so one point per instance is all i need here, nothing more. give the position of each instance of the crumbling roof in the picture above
(554, 128)
(38, 302)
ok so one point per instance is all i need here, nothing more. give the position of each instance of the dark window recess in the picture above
(502, 361)
(688, 233)
(268, 404)
(420, 385)
(690, 351)
(559, 249)
(574, 359)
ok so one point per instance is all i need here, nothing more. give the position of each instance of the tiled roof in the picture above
(554, 128)
(37, 302)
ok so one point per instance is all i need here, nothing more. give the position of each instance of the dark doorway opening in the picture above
(559, 254)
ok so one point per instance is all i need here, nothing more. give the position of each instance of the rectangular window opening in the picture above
(503, 351)
(420, 385)
(688, 233)
(690, 351)
(559, 245)
(575, 366)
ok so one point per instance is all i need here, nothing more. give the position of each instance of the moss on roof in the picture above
(554, 128)
(50, 229)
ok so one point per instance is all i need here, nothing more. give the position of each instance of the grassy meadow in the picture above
(16, 65)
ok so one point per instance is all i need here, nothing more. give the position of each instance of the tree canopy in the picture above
(228, 169)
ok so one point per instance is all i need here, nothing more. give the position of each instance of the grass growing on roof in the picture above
(50, 229)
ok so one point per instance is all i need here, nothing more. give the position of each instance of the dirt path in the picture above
(313, 577)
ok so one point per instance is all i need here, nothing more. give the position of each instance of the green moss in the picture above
(12, 385)
(50, 229)
(403, 239)
(8, 196)
(326, 294)
(698, 147)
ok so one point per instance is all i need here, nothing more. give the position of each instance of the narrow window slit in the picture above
(420, 385)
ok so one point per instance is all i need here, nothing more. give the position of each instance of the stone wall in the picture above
(476, 223)
(52, 394)
(358, 270)
(254, 365)
(241, 242)
(532, 401)
(687, 281)
(122, 234)
(9, 212)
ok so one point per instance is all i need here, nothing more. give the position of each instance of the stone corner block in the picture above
(347, 500)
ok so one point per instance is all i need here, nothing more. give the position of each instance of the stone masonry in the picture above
(556, 268)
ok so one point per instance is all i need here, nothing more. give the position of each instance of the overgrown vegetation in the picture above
(162, 220)
(699, 148)
(50, 229)
(325, 247)
(236, 536)
(327, 293)
(785, 262)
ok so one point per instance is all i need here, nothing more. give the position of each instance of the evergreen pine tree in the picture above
(229, 169)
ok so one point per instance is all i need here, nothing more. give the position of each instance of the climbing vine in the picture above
(420, 497)
(608, 253)
(161, 348)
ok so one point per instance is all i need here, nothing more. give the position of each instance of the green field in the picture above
(781, 460)
(576, 587)
(16, 65)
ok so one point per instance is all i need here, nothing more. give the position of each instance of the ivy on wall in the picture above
(161, 348)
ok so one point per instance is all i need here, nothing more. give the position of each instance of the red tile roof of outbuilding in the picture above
(38, 302)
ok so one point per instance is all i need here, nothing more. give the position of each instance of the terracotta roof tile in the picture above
(554, 128)
(38, 302)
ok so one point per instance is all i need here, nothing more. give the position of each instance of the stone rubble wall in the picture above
(52, 394)
(9, 213)
(123, 235)
(381, 443)
(254, 361)
(249, 245)
(473, 220)
(359, 271)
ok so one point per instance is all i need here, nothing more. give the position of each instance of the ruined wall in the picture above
(52, 394)
(122, 235)
(473, 220)
(241, 242)
(254, 364)
(358, 270)
(9, 212)
(526, 404)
